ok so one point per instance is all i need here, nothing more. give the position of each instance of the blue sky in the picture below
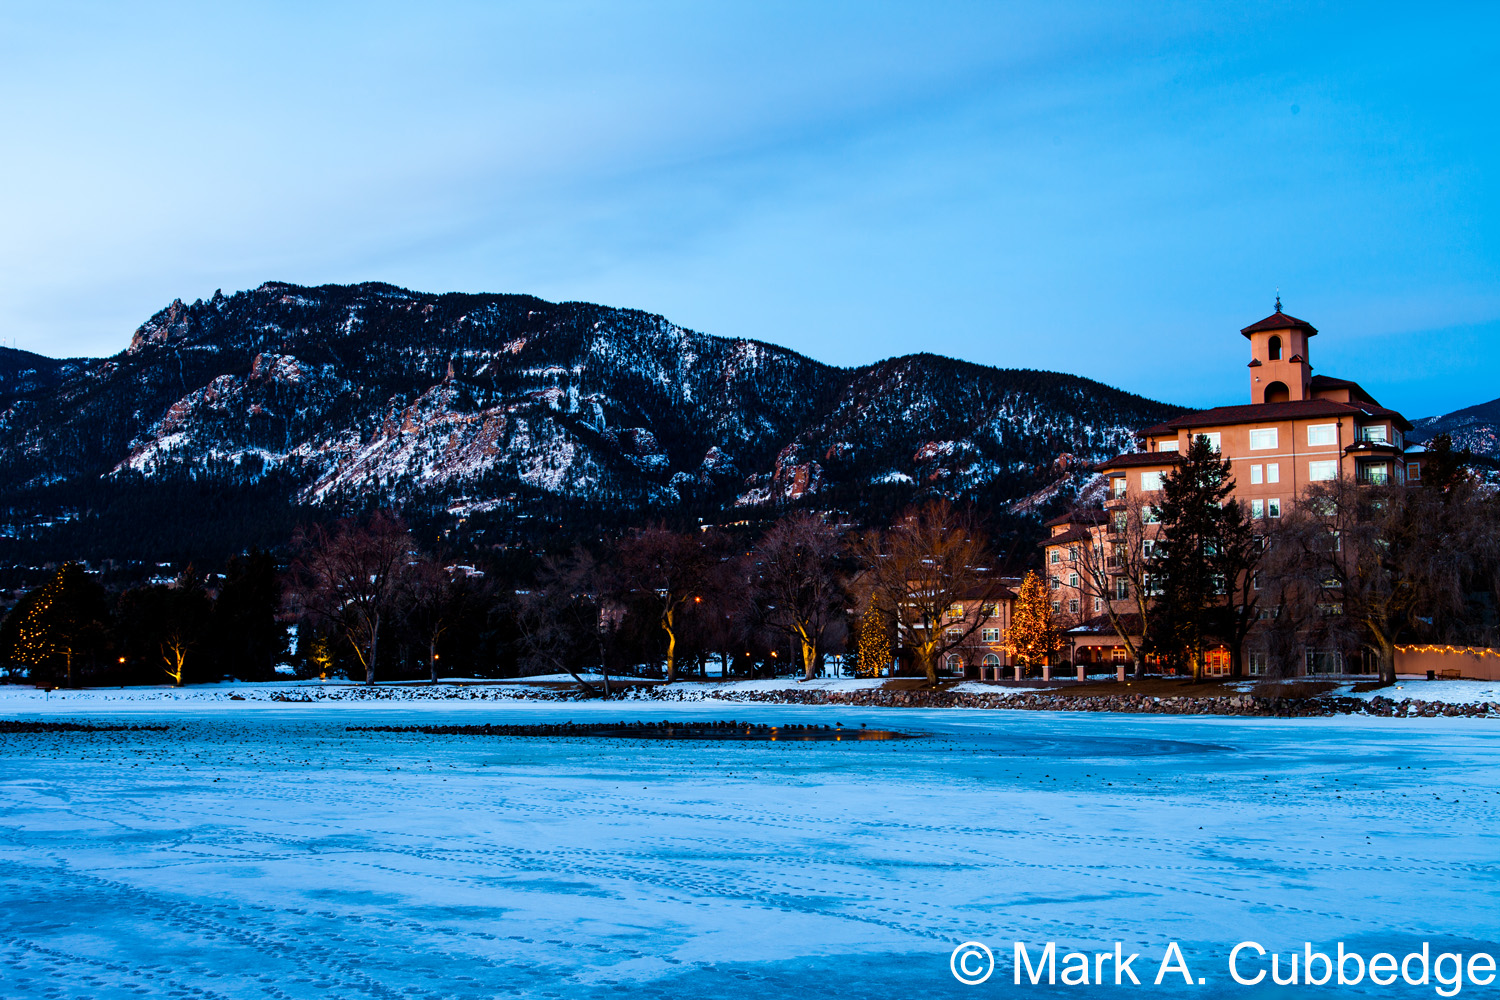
(1107, 189)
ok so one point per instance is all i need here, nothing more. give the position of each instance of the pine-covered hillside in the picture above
(463, 405)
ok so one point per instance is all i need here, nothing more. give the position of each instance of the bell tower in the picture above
(1279, 367)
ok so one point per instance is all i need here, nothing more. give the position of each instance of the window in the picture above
(954, 634)
(1073, 554)
(1148, 547)
(1169, 445)
(1413, 470)
(1057, 607)
(955, 663)
(1098, 605)
(1117, 488)
(1273, 508)
(991, 635)
(1056, 556)
(1213, 439)
(991, 660)
(1399, 439)
(1257, 508)
(1324, 661)
(1118, 521)
(1257, 475)
(1150, 482)
(1053, 583)
(989, 610)
(1319, 435)
(1150, 514)
(1273, 472)
(1257, 665)
(1263, 438)
(1378, 473)
(1122, 588)
(955, 612)
(1255, 582)
(1322, 472)
(1154, 585)
(1072, 579)
(1117, 654)
(1073, 606)
(1375, 434)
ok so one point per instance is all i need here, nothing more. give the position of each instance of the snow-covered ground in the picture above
(260, 849)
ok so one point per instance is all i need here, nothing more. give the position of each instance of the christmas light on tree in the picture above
(1033, 636)
(874, 643)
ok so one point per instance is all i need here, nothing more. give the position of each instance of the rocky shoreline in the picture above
(1241, 704)
(1035, 701)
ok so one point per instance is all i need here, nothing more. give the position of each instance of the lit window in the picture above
(1322, 472)
(1263, 438)
(1150, 482)
(991, 635)
(1257, 508)
(1170, 445)
(1413, 470)
(1322, 434)
(1273, 472)
(1256, 475)
(991, 660)
(955, 612)
(1273, 508)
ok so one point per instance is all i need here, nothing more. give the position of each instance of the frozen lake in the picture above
(261, 850)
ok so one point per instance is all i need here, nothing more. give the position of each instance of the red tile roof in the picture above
(1135, 458)
(1259, 413)
(1279, 320)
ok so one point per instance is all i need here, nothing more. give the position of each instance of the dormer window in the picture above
(1273, 348)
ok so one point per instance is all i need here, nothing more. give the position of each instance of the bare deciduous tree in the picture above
(666, 571)
(795, 584)
(932, 559)
(1116, 566)
(351, 576)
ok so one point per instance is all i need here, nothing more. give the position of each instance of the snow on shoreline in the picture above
(556, 687)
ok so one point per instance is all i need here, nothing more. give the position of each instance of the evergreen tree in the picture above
(58, 630)
(1191, 571)
(249, 639)
(1034, 635)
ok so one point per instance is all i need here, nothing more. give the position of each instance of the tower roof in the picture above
(1279, 320)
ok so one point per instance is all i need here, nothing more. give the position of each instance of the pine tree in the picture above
(1191, 551)
(1034, 635)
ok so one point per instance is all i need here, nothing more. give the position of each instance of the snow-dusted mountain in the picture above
(1476, 428)
(472, 401)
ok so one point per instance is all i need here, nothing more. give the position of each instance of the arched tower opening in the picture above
(1277, 392)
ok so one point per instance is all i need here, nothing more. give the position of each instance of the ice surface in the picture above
(259, 849)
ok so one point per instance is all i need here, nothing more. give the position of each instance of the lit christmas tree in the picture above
(874, 643)
(1034, 636)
